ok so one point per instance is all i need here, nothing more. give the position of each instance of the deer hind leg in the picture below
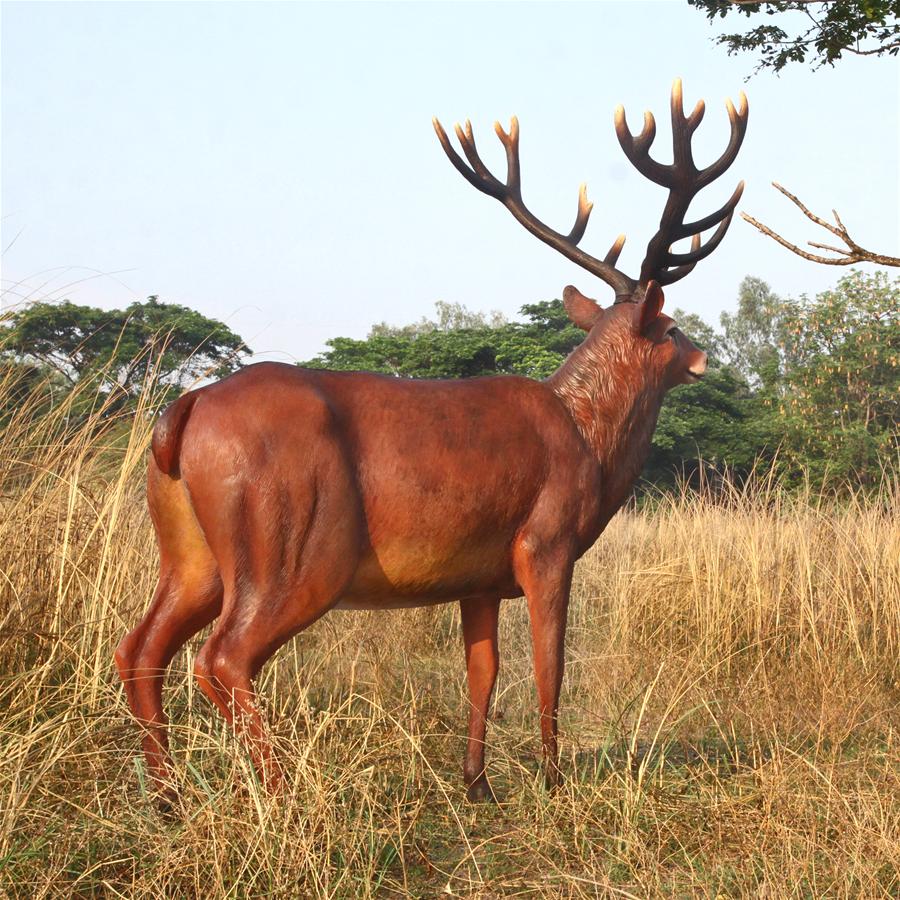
(229, 662)
(259, 620)
(285, 561)
(188, 597)
(480, 616)
(186, 600)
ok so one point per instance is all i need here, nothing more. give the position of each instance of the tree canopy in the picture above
(459, 344)
(120, 347)
(839, 400)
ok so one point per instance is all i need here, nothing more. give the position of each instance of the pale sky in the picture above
(274, 166)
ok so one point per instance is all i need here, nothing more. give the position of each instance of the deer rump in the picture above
(421, 488)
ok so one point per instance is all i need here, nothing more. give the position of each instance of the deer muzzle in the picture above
(697, 369)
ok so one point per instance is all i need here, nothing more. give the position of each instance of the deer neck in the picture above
(613, 405)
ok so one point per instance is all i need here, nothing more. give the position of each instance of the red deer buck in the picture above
(280, 493)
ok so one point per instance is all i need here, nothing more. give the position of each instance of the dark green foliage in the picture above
(799, 31)
(479, 346)
(715, 424)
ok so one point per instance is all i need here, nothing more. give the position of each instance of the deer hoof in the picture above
(554, 780)
(480, 792)
(166, 802)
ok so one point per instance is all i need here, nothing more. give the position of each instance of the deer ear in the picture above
(652, 305)
(580, 309)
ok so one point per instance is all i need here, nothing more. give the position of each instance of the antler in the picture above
(684, 180)
(510, 195)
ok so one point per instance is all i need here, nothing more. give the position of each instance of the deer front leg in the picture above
(546, 580)
(480, 616)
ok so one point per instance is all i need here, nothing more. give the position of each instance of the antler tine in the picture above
(581, 219)
(637, 149)
(696, 253)
(696, 117)
(486, 184)
(738, 121)
(467, 142)
(612, 257)
(713, 218)
(672, 275)
(510, 195)
(511, 144)
(681, 136)
(683, 128)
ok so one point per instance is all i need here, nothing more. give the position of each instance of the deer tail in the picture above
(166, 442)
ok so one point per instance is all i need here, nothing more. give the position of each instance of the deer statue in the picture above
(281, 493)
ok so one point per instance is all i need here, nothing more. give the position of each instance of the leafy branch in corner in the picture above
(822, 31)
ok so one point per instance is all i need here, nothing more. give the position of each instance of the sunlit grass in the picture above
(730, 709)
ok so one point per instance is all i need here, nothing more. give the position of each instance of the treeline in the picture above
(809, 387)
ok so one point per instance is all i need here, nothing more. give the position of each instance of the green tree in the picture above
(460, 344)
(840, 397)
(714, 423)
(119, 348)
(818, 32)
(450, 317)
(436, 354)
(751, 336)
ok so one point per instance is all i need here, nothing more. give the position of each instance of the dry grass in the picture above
(730, 712)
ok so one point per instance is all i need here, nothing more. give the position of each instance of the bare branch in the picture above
(855, 253)
(840, 231)
(829, 247)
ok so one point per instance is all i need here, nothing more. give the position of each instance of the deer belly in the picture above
(416, 571)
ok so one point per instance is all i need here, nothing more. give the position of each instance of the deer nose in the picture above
(698, 366)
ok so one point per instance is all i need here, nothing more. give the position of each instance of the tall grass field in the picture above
(730, 715)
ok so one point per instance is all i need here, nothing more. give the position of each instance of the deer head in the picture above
(644, 337)
(661, 266)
